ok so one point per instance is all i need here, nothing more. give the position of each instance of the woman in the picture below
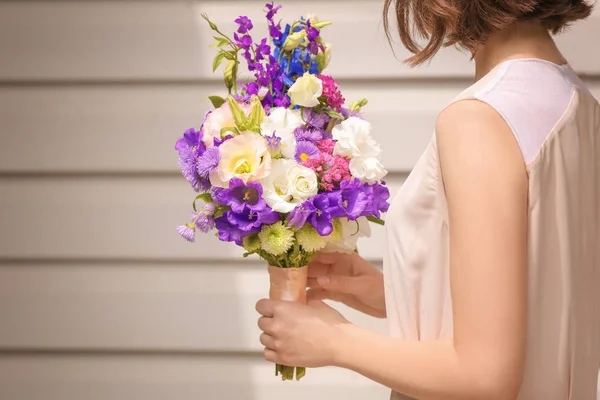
(493, 254)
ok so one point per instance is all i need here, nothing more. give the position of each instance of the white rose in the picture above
(306, 91)
(288, 185)
(368, 170)
(282, 122)
(351, 232)
(354, 139)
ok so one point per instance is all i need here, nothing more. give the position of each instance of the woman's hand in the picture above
(349, 279)
(300, 335)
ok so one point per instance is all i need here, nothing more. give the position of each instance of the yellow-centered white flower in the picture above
(288, 185)
(306, 91)
(245, 156)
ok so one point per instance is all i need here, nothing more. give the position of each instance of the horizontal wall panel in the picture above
(127, 377)
(195, 307)
(134, 128)
(169, 40)
(109, 218)
(141, 40)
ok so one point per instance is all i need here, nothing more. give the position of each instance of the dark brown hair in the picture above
(469, 23)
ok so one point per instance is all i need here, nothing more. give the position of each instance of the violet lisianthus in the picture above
(240, 195)
(349, 201)
(316, 212)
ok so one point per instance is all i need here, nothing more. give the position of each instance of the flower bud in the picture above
(294, 40)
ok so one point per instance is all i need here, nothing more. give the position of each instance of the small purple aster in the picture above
(308, 134)
(316, 120)
(208, 162)
(305, 151)
(245, 24)
(204, 220)
(187, 232)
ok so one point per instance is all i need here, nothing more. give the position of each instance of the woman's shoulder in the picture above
(530, 95)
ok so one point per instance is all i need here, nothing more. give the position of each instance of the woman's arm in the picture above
(486, 187)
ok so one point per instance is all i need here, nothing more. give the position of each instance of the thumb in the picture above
(340, 283)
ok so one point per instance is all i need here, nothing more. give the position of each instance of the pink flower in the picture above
(217, 120)
(326, 146)
(330, 170)
(331, 90)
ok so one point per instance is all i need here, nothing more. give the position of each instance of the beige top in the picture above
(557, 124)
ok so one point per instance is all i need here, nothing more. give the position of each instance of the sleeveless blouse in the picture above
(556, 122)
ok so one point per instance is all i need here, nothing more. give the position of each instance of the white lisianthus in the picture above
(346, 233)
(369, 170)
(282, 122)
(288, 185)
(306, 91)
(354, 139)
(245, 156)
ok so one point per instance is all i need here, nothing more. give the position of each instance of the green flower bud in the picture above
(294, 40)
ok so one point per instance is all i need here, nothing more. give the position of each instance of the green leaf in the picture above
(220, 42)
(217, 101)
(218, 60)
(376, 220)
(204, 197)
(229, 55)
(239, 116)
(334, 114)
(230, 74)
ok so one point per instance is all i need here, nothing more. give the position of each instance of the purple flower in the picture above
(350, 201)
(204, 220)
(240, 195)
(245, 24)
(305, 151)
(272, 10)
(262, 49)
(230, 233)
(273, 141)
(316, 120)
(208, 162)
(316, 212)
(248, 219)
(378, 196)
(308, 134)
(187, 232)
(244, 42)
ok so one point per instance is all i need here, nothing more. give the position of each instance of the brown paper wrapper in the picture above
(288, 284)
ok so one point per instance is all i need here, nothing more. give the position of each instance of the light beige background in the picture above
(99, 298)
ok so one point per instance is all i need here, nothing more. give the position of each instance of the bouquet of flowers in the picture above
(282, 167)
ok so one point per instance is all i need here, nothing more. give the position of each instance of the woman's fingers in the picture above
(267, 341)
(317, 294)
(265, 324)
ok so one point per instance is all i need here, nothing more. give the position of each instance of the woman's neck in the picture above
(522, 40)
